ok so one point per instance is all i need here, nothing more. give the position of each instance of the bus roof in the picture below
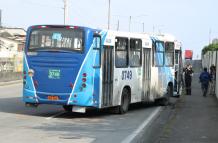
(110, 37)
(164, 37)
(62, 26)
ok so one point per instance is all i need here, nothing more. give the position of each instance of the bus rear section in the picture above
(58, 67)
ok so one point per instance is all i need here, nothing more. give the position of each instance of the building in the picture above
(215, 41)
(12, 41)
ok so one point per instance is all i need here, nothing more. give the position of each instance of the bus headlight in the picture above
(31, 72)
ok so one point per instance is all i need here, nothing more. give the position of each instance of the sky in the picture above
(193, 22)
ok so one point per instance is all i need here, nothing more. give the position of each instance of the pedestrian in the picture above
(188, 78)
(204, 78)
(213, 79)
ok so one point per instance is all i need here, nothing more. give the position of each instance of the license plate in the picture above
(53, 98)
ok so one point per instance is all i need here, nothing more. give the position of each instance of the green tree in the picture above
(210, 47)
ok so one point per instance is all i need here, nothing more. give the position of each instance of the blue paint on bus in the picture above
(57, 72)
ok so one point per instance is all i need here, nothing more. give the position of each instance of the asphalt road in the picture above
(51, 124)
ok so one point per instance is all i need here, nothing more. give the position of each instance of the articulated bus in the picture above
(80, 68)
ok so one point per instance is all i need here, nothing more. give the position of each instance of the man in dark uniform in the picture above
(188, 78)
(205, 78)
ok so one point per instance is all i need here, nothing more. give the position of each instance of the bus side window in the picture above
(135, 52)
(97, 51)
(121, 52)
(158, 54)
(169, 54)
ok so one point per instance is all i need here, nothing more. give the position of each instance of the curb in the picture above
(10, 82)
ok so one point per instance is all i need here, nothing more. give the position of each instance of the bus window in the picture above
(56, 39)
(97, 50)
(121, 53)
(158, 53)
(169, 53)
(135, 52)
(177, 52)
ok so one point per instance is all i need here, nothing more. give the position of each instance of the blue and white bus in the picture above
(80, 67)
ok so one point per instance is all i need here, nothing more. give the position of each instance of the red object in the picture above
(188, 54)
(84, 79)
(71, 85)
(84, 74)
(36, 83)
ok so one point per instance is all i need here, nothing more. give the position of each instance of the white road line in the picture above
(55, 115)
(130, 138)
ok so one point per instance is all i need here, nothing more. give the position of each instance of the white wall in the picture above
(211, 57)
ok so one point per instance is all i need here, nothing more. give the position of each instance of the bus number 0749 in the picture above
(126, 75)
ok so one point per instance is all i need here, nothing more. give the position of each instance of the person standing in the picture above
(188, 79)
(204, 78)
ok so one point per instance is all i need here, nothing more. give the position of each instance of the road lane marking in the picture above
(130, 138)
(55, 115)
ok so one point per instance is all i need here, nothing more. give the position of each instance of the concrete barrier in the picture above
(10, 76)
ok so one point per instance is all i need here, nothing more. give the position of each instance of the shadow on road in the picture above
(15, 105)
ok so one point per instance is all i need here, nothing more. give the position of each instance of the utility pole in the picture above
(130, 18)
(0, 18)
(109, 13)
(153, 29)
(210, 35)
(143, 27)
(118, 25)
(65, 12)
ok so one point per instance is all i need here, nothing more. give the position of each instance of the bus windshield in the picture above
(56, 39)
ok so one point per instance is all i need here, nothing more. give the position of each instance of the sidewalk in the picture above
(194, 120)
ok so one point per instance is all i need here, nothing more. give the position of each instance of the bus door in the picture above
(107, 75)
(178, 71)
(146, 74)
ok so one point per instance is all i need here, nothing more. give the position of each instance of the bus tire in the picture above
(166, 100)
(68, 108)
(125, 101)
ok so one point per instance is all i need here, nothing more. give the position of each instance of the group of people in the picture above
(206, 78)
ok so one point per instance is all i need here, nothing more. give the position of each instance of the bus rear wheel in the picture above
(166, 100)
(68, 108)
(125, 101)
